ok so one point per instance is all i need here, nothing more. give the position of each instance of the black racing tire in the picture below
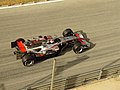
(77, 48)
(67, 32)
(28, 63)
(28, 60)
(21, 39)
(57, 40)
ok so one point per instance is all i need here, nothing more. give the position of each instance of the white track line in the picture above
(30, 4)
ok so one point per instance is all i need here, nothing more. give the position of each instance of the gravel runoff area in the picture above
(105, 84)
(14, 2)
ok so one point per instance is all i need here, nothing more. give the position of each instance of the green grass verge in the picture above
(13, 2)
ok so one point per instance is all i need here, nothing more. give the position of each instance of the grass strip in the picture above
(14, 2)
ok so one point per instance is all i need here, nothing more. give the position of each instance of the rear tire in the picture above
(28, 60)
(67, 32)
(77, 48)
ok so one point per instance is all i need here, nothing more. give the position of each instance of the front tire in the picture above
(77, 48)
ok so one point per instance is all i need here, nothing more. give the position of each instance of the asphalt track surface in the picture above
(99, 19)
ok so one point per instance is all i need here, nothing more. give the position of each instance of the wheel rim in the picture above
(29, 62)
(80, 50)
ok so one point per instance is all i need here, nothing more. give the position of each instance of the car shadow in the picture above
(40, 59)
(60, 69)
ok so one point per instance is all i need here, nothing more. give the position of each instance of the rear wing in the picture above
(13, 44)
(19, 43)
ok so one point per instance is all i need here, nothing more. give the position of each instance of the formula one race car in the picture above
(48, 46)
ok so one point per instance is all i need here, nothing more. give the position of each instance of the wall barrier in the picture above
(79, 79)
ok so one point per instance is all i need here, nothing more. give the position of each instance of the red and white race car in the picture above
(48, 46)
